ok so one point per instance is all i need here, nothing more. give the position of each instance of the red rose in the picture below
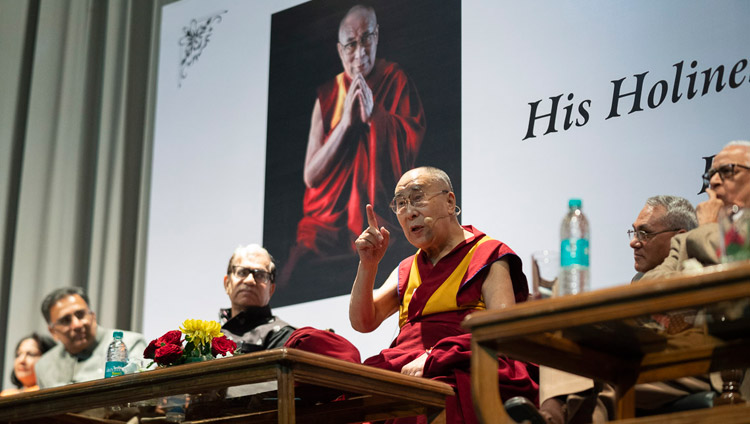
(222, 345)
(733, 237)
(151, 349)
(171, 337)
(167, 354)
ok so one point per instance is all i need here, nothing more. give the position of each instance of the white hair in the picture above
(743, 143)
(366, 11)
(249, 249)
(680, 214)
(438, 175)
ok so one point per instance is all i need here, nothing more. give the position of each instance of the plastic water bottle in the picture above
(574, 251)
(117, 356)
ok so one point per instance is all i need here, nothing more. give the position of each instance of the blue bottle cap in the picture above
(117, 334)
(575, 203)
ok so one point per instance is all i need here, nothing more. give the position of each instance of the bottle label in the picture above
(114, 368)
(574, 252)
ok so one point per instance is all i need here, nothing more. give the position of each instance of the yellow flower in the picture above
(201, 332)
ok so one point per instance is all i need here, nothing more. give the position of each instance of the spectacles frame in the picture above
(365, 41)
(259, 275)
(420, 201)
(65, 321)
(642, 236)
(725, 171)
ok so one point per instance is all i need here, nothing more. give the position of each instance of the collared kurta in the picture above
(255, 329)
(57, 367)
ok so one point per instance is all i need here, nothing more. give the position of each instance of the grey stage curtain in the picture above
(74, 158)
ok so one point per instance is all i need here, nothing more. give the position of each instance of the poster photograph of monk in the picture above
(359, 93)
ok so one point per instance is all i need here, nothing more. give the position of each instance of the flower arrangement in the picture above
(735, 246)
(736, 243)
(203, 340)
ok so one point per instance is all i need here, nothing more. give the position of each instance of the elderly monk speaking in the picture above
(456, 270)
(366, 130)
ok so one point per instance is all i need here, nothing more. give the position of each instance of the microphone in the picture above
(430, 221)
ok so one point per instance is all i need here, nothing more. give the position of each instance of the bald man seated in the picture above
(249, 283)
(455, 271)
(568, 398)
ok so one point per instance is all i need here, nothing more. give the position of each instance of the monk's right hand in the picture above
(365, 100)
(373, 242)
(351, 113)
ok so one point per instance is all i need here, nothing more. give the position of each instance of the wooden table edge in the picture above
(232, 371)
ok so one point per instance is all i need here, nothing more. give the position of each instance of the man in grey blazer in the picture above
(81, 352)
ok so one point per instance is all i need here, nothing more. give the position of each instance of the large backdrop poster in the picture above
(607, 101)
(313, 212)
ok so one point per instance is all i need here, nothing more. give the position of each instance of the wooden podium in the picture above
(608, 335)
(370, 393)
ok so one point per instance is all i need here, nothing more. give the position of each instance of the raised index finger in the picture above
(371, 220)
(711, 194)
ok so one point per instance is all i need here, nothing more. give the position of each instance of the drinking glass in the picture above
(545, 265)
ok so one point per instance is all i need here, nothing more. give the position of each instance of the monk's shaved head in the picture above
(437, 175)
(358, 41)
(355, 13)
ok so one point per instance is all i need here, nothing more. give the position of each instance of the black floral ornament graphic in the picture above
(195, 39)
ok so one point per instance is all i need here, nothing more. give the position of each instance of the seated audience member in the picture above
(660, 219)
(456, 270)
(249, 283)
(82, 351)
(568, 398)
(729, 178)
(28, 352)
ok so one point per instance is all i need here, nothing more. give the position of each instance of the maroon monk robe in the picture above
(378, 154)
(430, 319)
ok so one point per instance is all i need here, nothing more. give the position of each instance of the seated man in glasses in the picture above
(82, 351)
(249, 283)
(660, 219)
(366, 129)
(568, 398)
(456, 270)
(729, 179)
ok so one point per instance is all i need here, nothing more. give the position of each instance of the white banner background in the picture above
(209, 146)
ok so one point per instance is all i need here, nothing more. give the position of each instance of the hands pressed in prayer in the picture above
(358, 103)
(364, 95)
